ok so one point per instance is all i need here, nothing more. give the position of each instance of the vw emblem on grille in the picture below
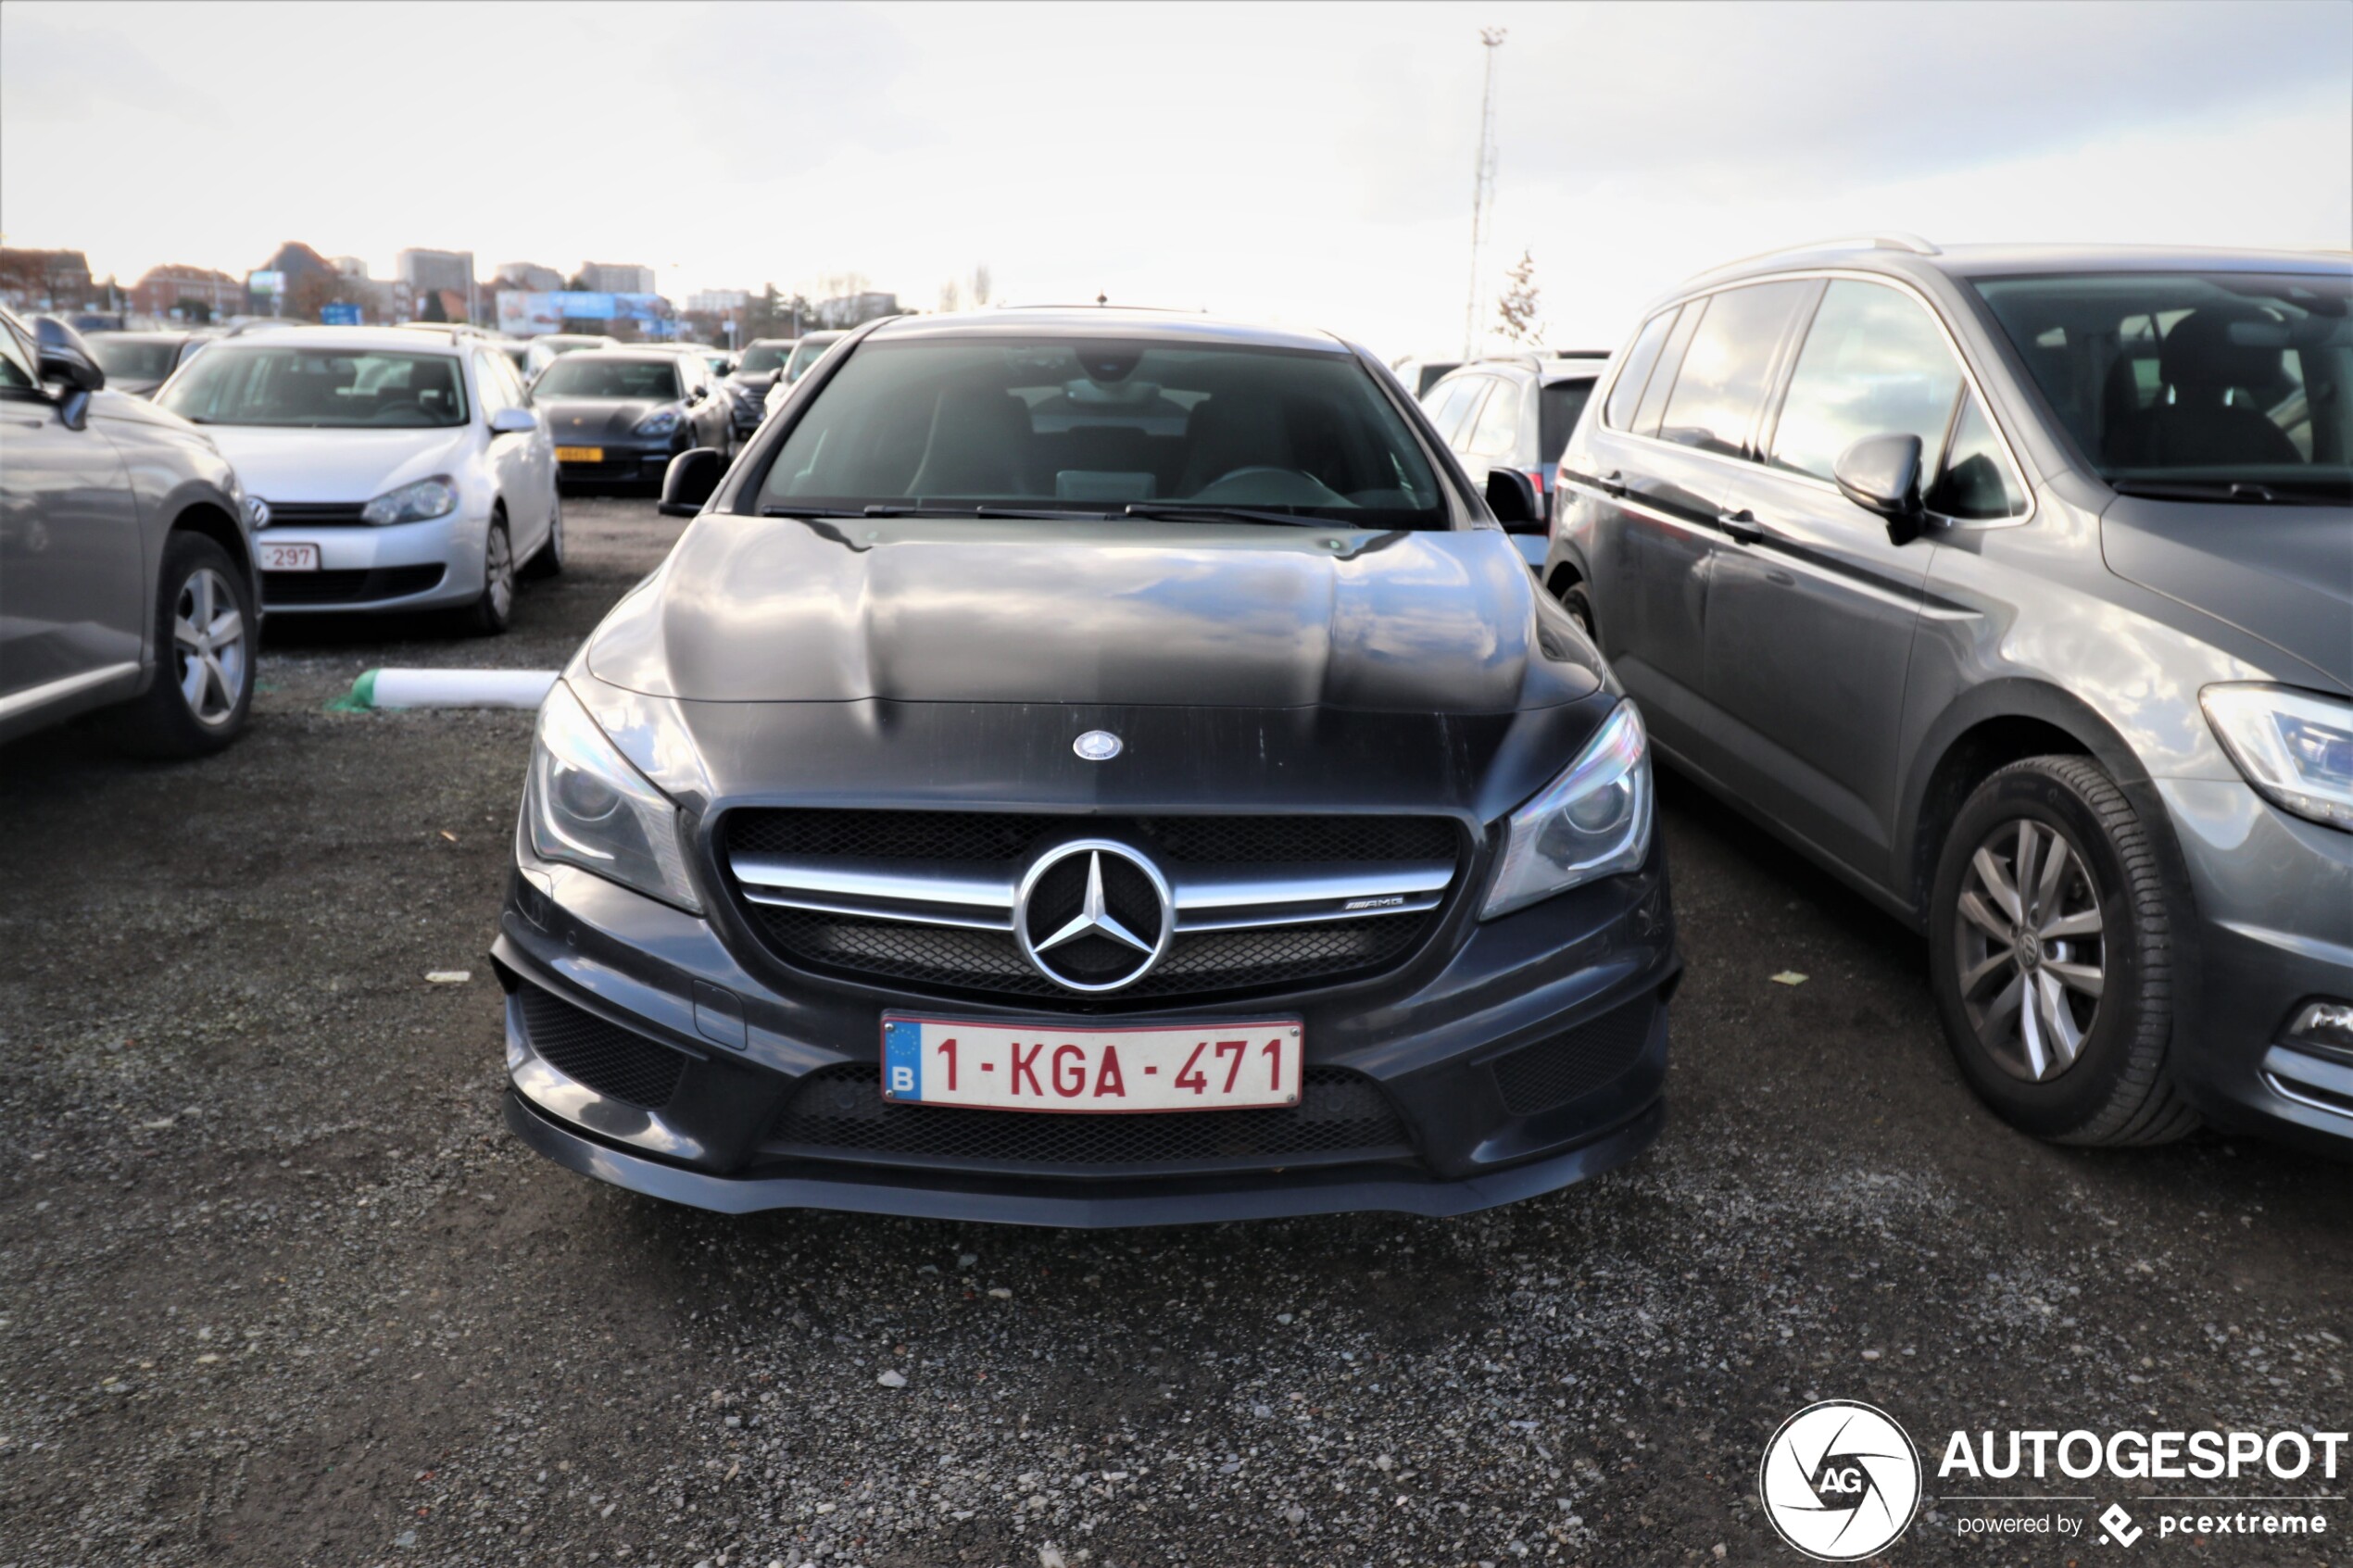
(1092, 915)
(1097, 745)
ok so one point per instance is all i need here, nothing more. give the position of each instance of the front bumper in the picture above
(2274, 897)
(403, 566)
(1526, 1056)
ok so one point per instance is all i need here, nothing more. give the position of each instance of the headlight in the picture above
(1595, 820)
(662, 422)
(587, 806)
(2295, 747)
(413, 503)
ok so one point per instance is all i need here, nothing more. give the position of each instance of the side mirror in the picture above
(513, 422)
(694, 395)
(65, 358)
(1512, 497)
(1881, 474)
(692, 478)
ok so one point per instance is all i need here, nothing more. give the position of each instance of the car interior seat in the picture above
(2206, 357)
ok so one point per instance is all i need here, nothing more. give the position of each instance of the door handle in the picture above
(1742, 525)
(1614, 485)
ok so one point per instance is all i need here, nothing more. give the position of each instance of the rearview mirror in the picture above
(1512, 497)
(692, 478)
(513, 422)
(1881, 474)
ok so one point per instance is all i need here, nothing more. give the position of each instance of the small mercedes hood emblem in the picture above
(1097, 745)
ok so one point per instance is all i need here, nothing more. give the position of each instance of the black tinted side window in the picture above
(1626, 392)
(1724, 374)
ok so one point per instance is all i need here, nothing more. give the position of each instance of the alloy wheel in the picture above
(208, 646)
(502, 568)
(2032, 954)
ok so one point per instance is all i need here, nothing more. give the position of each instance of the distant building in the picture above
(44, 280)
(350, 267)
(196, 291)
(444, 272)
(612, 277)
(531, 277)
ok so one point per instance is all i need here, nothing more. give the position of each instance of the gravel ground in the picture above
(276, 1287)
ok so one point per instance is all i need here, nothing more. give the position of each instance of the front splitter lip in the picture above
(1019, 1201)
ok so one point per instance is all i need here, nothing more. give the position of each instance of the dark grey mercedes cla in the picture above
(1087, 768)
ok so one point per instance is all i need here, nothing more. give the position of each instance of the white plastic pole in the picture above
(453, 688)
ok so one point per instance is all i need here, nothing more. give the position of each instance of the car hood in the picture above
(280, 464)
(571, 419)
(791, 609)
(2279, 573)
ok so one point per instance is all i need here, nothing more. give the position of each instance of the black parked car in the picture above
(1514, 411)
(620, 415)
(140, 362)
(1132, 719)
(2016, 587)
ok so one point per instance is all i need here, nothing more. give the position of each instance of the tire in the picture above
(549, 560)
(197, 643)
(1580, 604)
(2088, 1063)
(494, 610)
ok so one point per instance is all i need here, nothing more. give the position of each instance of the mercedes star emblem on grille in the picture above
(1097, 745)
(1094, 915)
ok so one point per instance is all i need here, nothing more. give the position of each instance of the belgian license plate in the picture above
(580, 454)
(1048, 1067)
(289, 558)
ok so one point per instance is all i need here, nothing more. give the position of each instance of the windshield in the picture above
(232, 385)
(593, 375)
(807, 352)
(1103, 425)
(134, 358)
(762, 357)
(2189, 383)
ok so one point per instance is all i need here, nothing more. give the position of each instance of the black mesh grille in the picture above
(1576, 1062)
(614, 1062)
(317, 514)
(838, 1113)
(1223, 963)
(347, 587)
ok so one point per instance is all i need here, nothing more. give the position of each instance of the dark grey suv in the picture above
(2016, 587)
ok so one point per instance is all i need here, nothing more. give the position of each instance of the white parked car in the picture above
(395, 470)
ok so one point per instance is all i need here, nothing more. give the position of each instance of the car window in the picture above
(1977, 482)
(762, 357)
(1100, 425)
(318, 388)
(15, 366)
(126, 358)
(2189, 379)
(1498, 424)
(1451, 405)
(1559, 406)
(1875, 363)
(592, 375)
(1626, 392)
(495, 392)
(1722, 378)
(1670, 361)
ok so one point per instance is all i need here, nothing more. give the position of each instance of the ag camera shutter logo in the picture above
(1840, 1480)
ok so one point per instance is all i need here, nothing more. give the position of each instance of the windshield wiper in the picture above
(1209, 511)
(1034, 514)
(808, 511)
(2238, 492)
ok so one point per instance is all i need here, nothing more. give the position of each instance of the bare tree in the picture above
(980, 283)
(951, 298)
(1517, 313)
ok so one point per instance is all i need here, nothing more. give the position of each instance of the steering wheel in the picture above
(1264, 485)
(383, 415)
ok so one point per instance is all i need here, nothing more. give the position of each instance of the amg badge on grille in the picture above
(1097, 745)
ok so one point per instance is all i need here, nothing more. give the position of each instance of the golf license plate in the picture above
(580, 454)
(288, 558)
(1055, 1068)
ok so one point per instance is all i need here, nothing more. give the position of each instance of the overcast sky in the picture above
(1308, 164)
